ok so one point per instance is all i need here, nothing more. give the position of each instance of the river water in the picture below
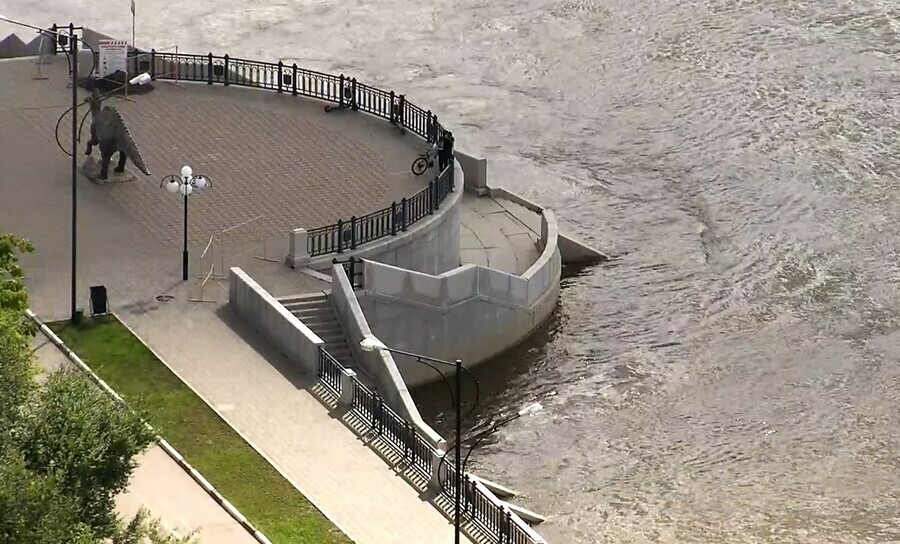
(732, 375)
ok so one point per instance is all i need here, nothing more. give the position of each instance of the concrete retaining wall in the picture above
(271, 319)
(431, 245)
(471, 313)
(379, 364)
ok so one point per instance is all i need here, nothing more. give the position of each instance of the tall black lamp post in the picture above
(185, 183)
(371, 343)
(73, 51)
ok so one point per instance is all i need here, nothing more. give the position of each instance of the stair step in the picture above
(327, 328)
(310, 309)
(317, 319)
(324, 307)
(304, 297)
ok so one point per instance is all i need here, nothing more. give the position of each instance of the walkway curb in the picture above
(250, 443)
(170, 451)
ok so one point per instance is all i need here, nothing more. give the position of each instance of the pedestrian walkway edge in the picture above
(168, 448)
(238, 432)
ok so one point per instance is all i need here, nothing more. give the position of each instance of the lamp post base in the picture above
(184, 265)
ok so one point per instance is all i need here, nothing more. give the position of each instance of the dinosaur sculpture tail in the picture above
(126, 144)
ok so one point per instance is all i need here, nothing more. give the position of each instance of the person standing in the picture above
(445, 152)
(443, 155)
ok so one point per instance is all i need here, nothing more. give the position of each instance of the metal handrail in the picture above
(277, 76)
(388, 221)
(481, 507)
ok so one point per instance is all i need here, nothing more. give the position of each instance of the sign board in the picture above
(113, 57)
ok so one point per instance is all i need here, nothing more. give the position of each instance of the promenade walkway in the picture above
(279, 157)
(268, 401)
(160, 485)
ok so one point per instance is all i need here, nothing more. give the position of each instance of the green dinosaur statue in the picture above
(108, 130)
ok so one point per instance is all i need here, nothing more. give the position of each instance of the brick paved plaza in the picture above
(277, 162)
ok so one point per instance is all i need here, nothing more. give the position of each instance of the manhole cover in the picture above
(165, 298)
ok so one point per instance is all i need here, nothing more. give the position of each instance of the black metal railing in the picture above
(399, 216)
(353, 267)
(483, 510)
(341, 90)
(329, 371)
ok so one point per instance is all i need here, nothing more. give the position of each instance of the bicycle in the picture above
(424, 161)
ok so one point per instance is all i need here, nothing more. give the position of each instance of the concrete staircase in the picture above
(316, 312)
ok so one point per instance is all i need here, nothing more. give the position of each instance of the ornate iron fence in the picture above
(343, 91)
(329, 372)
(347, 235)
(478, 505)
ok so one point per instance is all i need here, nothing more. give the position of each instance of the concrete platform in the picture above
(499, 234)
(276, 161)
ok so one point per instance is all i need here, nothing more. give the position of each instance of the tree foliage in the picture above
(66, 449)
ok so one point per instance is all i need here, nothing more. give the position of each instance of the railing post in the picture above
(352, 271)
(341, 91)
(353, 232)
(405, 209)
(347, 378)
(225, 71)
(436, 455)
(340, 236)
(55, 30)
(209, 69)
(298, 252)
(394, 218)
(508, 525)
(391, 108)
(430, 197)
(153, 64)
(355, 102)
(429, 128)
(402, 110)
(294, 80)
(376, 413)
(407, 446)
(280, 77)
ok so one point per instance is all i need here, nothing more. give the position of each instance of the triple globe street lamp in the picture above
(185, 183)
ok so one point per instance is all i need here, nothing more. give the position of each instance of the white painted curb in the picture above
(172, 452)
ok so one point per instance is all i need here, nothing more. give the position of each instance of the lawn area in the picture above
(243, 477)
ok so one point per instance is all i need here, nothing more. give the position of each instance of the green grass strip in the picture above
(240, 474)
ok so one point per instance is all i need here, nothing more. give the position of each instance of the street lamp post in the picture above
(370, 343)
(185, 183)
(73, 48)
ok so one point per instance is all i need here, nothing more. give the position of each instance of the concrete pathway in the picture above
(266, 400)
(499, 234)
(159, 484)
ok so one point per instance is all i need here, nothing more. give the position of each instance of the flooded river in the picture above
(732, 375)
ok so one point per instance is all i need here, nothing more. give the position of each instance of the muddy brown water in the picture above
(732, 375)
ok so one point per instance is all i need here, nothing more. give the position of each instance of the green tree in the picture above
(87, 441)
(16, 372)
(67, 449)
(12, 286)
